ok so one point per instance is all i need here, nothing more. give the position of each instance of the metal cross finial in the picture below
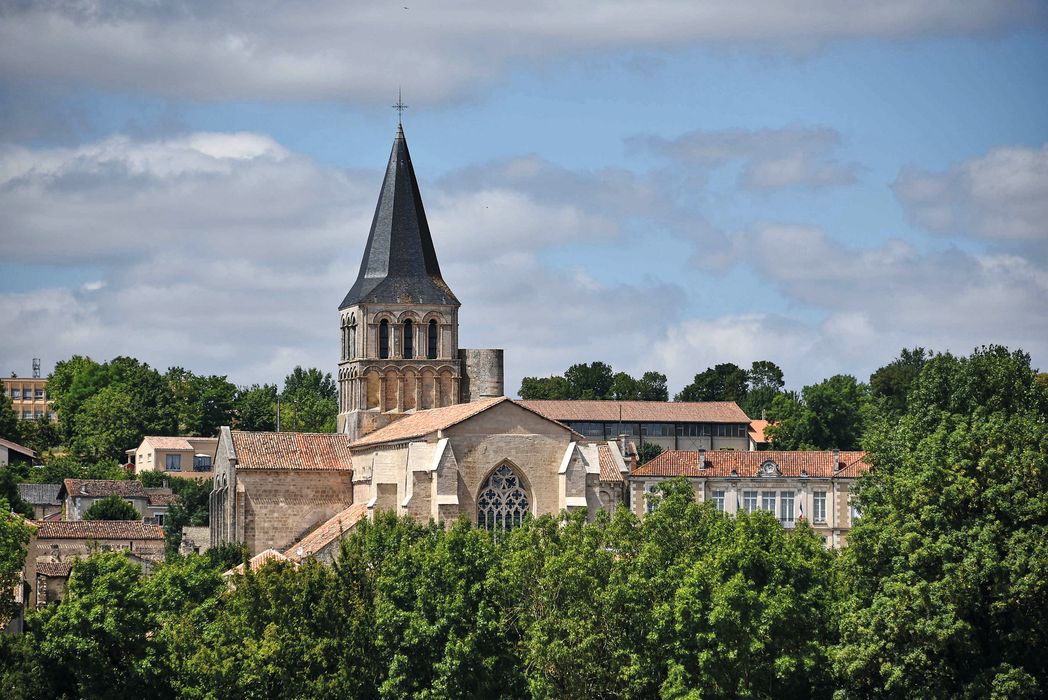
(400, 107)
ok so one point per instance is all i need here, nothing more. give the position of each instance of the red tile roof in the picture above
(748, 464)
(54, 569)
(161, 497)
(609, 468)
(258, 561)
(97, 530)
(312, 451)
(327, 533)
(100, 488)
(162, 442)
(640, 411)
(757, 430)
(428, 421)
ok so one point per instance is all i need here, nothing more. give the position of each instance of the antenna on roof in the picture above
(36, 368)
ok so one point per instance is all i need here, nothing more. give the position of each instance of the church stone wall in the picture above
(508, 433)
(482, 373)
(282, 506)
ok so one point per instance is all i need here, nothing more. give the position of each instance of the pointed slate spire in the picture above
(400, 264)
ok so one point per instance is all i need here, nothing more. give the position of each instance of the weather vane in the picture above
(400, 107)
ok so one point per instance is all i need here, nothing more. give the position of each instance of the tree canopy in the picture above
(112, 508)
(596, 380)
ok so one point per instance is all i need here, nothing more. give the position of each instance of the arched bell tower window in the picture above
(383, 339)
(431, 349)
(502, 502)
(352, 349)
(409, 340)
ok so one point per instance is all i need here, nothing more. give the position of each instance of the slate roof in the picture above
(609, 468)
(639, 411)
(40, 494)
(308, 451)
(817, 464)
(17, 448)
(100, 488)
(399, 264)
(97, 530)
(327, 533)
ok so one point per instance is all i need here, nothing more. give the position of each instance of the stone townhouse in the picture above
(272, 489)
(78, 495)
(185, 457)
(814, 485)
(55, 545)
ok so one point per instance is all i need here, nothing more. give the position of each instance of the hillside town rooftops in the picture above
(815, 464)
(307, 451)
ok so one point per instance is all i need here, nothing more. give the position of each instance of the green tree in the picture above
(9, 494)
(624, 388)
(202, 403)
(309, 402)
(544, 388)
(652, 387)
(106, 425)
(947, 571)
(647, 452)
(112, 508)
(764, 382)
(892, 382)
(592, 381)
(724, 382)
(38, 435)
(8, 419)
(830, 414)
(15, 532)
(255, 407)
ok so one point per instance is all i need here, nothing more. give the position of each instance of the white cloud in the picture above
(1002, 195)
(338, 50)
(771, 158)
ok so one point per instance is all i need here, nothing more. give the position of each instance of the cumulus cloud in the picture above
(228, 253)
(338, 50)
(770, 158)
(868, 302)
(1002, 195)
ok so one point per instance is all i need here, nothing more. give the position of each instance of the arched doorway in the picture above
(503, 500)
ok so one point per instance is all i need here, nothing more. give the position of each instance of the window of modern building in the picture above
(173, 463)
(202, 463)
(656, 429)
(383, 339)
(749, 501)
(819, 507)
(38, 393)
(27, 414)
(502, 502)
(409, 340)
(718, 500)
(693, 429)
(768, 501)
(594, 430)
(613, 430)
(16, 393)
(786, 507)
(731, 430)
(431, 348)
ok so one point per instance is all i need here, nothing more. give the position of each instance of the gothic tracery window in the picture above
(502, 502)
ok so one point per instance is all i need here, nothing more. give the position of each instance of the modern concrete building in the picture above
(29, 397)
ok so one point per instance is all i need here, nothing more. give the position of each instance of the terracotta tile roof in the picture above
(16, 447)
(100, 488)
(609, 468)
(817, 464)
(431, 420)
(258, 561)
(97, 530)
(40, 494)
(327, 533)
(640, 411)
(315, 451)
(161, 496)
(54, 569)
(756, 430)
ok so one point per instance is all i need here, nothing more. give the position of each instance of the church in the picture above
(425, 429)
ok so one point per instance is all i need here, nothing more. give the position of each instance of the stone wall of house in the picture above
(280, 506)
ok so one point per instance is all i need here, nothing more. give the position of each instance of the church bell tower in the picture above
(399, 321)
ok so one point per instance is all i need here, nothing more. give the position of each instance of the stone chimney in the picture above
(702, 458)
(836, 460)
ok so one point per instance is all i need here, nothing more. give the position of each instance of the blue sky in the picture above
(663, 189)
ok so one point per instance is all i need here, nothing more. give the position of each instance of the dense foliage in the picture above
(191, 508)
(112, 508)
(596, 380)
(14, 539)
